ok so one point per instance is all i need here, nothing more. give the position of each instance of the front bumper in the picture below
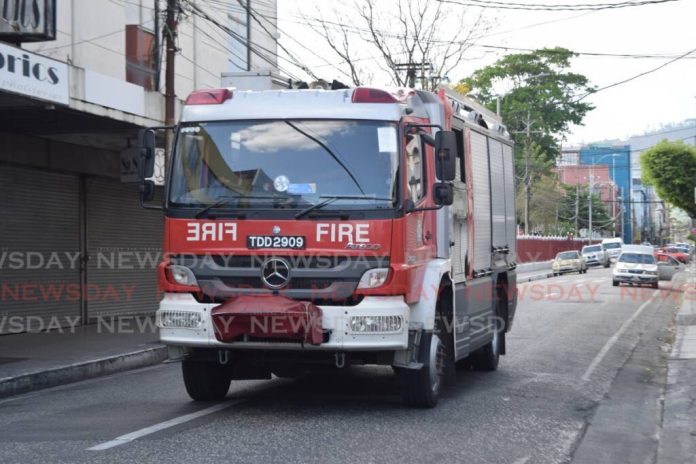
(635, 278)
(335, 319)
(562, 269)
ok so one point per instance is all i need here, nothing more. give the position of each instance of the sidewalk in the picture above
(678, 432)
(31, 361)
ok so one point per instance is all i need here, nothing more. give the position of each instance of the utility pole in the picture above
(527, 169)
(248, 33)
(589, 205)
(169, 92)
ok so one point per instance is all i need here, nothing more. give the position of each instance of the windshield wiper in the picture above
(328, 199)
(330, 152)
(227, 200)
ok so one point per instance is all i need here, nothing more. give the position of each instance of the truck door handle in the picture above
(428, 236)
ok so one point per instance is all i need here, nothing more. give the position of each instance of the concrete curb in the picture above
(24, 383)
(547, 275)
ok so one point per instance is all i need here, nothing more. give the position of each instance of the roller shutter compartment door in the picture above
(39, 249)
(482, 202)
(124, 244)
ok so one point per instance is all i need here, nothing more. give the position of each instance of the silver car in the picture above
(595, 255)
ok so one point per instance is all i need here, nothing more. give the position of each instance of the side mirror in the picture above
(443, 194)
(446, 155)
(147, 191)
(146, 144)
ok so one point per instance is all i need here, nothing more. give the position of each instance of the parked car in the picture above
(613, 246)
(636, 266)
(689, 247)
(568, 261)
(667, 266)
(595, 255)
(677, 253)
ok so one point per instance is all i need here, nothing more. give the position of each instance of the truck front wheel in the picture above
(205, 380)
(422, 387)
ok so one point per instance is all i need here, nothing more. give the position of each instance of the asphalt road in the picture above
(571, 337)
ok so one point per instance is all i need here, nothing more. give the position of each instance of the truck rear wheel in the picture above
(205, 380)
(488, 356)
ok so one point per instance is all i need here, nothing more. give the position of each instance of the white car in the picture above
(636, 266)
(595, 255)
(613, 247)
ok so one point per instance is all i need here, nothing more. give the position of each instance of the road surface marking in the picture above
(607, 346)
(522, 460)
(129, 437)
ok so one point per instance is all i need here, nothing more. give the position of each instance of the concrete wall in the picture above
(530, 250)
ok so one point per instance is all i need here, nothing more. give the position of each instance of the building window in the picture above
(141, 66)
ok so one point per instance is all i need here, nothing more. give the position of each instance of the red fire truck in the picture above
(318, 229)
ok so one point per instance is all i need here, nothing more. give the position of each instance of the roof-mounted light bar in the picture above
(368, 95)
(209, 97)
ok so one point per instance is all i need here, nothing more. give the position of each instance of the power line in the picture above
(196, 10)
(550, 7)
(624, 81)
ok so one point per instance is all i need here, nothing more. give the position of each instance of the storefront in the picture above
(75, 244)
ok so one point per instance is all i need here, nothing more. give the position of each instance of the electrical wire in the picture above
(632, 78)
(551, 7)
(198, 11)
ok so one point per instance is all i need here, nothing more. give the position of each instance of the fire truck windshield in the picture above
(301, 162)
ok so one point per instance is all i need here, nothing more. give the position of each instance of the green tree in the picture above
(540, 101)
(601, 219)
(540, 90)
(671, 168)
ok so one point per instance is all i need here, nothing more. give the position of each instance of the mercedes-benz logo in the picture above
(275, 273)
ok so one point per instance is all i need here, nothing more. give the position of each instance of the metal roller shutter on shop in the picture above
(124, 243)
(39, 249)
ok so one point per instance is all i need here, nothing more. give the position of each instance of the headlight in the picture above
(182, 275)
(374, 278)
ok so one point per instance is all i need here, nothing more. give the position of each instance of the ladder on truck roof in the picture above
(468, 108)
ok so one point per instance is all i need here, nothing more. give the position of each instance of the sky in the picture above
(649, 102)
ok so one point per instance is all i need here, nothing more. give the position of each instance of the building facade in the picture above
(618, 160)
(75, 243)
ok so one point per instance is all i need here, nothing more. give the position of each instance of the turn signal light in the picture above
(209, 97)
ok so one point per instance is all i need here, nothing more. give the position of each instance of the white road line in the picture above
(607, 346)
(522, 460)
(129, 437)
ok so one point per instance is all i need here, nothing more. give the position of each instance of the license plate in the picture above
(292, 242)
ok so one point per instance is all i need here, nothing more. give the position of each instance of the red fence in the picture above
(532, 249)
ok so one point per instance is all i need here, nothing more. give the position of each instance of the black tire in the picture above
(655, 285)
(488, 356)
(421, 388)
(607, 264)
(205, 380)
(614, 283)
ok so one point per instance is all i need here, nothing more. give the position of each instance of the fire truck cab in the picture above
(319, 229)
